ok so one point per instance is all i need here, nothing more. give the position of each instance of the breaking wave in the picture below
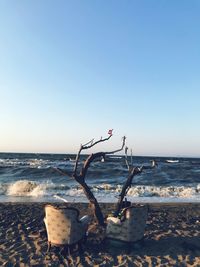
(35, 177)
(26, 188)
(165, 191)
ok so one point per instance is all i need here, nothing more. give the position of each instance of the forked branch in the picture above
(132, 172)
(94, 156)
(80, 177)
(88, 145)
(125, 188)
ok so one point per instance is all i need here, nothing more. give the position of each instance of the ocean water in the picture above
(33, 177)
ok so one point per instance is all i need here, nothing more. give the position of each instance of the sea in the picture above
(28, 177)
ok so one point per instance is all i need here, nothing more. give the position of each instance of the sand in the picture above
(172, 238)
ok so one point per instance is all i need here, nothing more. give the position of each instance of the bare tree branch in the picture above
(131, 157)
(77, 159)
(128, 183)
(80, 178)
(118, 150)
(125, 188)
(85, 146)
(90, 142)
(95, 143)
(65, 173)
(94, 156)
(126, 158)
(89, 160)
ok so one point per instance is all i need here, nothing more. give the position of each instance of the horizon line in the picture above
(59, 153)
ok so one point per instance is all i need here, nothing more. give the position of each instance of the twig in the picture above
(62, 172)
(95, 143)
(118, 150)
(126, 158)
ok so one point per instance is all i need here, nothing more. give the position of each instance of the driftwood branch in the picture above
(125, 188)
(80, 177)
(88, 145)
(94, 156)
(62, 172)
(126, 159)
(118, 150)
(132, 172)
(93, 201)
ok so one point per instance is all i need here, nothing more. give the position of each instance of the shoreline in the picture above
(171, 237)
(137, 200)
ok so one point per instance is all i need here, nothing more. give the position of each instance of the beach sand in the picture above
(172, 238)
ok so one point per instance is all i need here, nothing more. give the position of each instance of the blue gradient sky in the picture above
(70, 70)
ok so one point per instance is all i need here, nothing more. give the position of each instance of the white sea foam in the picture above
(75, 192)
(151, 191)
(38, 163)
(163, 191)
(107, 188)
(138, 191)
(25, 188)
(32, 163)
(110, 192)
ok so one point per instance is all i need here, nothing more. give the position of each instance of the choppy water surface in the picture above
(33, 177)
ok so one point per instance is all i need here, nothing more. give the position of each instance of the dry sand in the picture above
(172, 238)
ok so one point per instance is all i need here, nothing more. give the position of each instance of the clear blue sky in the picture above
(70, 70)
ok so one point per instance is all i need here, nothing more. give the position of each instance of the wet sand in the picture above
(172, 238)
